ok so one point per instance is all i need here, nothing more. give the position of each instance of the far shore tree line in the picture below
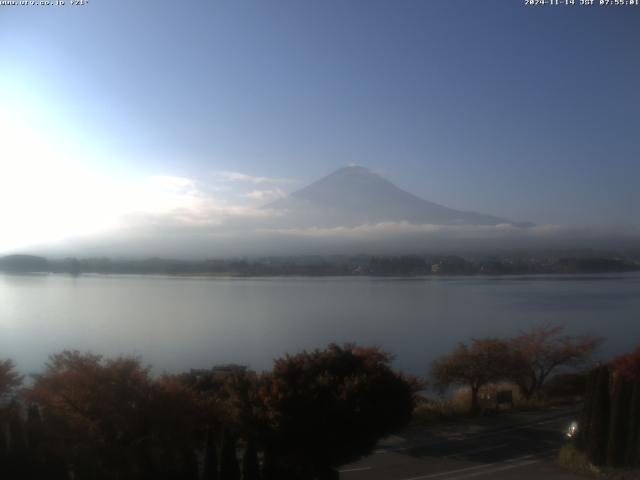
(337, 265)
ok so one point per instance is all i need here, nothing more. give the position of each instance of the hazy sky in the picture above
(122, 109)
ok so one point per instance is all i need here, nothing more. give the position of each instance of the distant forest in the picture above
(362, 265)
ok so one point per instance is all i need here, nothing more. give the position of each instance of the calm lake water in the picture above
(178, 323)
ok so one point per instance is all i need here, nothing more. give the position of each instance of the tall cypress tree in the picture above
(598, 428)
(269, 465)
(632, 454)
(4, 453)
(56, 468)
(189, 464)
(36, 444)
(146, 462)
(17, 435)
(34, 427)
(229, 467)
(587, 409)
(250, 464)
(19, 465)
(210, 457)
(618, 424)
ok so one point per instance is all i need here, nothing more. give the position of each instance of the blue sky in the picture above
(530, 113)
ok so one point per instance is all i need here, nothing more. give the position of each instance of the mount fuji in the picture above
(356, 195)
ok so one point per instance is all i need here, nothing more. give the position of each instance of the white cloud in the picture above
(201, 214)
(244, 178)
(172, 183)
(266, 195)
(390, 229)
(179, 201)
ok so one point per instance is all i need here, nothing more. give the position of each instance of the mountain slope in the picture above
(355, 196)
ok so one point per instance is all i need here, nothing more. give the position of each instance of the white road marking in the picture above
(496, 470)
(467, 469)
(449, 472)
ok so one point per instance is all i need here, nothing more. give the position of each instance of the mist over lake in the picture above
(177, 323)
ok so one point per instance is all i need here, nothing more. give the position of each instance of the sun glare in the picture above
(44, 195)
(49, 192)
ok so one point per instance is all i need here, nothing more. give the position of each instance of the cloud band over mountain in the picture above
(351, 211)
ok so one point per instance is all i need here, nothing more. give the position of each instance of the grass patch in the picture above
(576, 461)
(431, 410)
(456, 405)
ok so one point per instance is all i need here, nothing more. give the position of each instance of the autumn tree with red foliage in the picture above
(482, 362)
(98, 418)
(116, 418)
(543, 350)
(9, 380)
(629, 365)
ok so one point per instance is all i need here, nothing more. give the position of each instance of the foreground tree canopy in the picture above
(331, 406)
(99, 418)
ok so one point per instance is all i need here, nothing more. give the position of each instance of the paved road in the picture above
(509, 446)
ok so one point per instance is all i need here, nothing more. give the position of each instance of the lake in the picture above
(176, 323)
